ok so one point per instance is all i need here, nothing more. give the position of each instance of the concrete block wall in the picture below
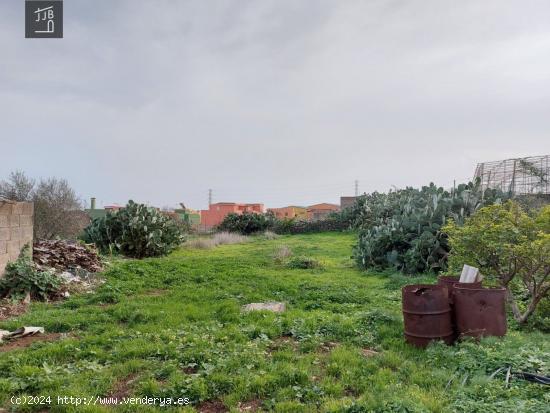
(16, 229)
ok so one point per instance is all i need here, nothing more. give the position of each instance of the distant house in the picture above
(94, 212)
(289, 212)
(347, 201)
(215, 213)
(318, 212)
(190, 216)
(112, 208)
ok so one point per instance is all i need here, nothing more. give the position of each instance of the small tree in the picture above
(506, 243)
(18, 187)
(57, 210)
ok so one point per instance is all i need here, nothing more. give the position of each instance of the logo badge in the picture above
(43, 19)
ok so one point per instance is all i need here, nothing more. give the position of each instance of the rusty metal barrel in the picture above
(480, 311)
(426, 314)
(452, 281)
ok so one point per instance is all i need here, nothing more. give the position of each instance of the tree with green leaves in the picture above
(509, 246)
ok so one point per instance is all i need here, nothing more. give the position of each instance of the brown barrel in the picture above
(452, 281)
(480, 311)
(426, 314)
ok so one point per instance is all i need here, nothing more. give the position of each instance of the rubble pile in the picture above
(66, 256)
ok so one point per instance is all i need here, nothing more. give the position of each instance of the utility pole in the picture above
(209, 197)
(356, 187)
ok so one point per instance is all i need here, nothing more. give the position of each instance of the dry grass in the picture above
(221, 238)
(200, 243)
(282, 254)
(269, 235)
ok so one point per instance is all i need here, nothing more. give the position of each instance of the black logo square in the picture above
(43, 19)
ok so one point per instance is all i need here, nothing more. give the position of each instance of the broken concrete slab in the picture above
(20, 332)
(470, 274)
(273, 306)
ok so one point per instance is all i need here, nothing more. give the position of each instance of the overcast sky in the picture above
(280, 102)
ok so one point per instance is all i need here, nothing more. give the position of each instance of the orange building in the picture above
(215, 213)
(289, 212)
(318, 212)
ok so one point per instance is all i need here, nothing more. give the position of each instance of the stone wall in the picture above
(16, 229)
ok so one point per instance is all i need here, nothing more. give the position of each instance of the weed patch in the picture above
(176, 322)
(304, 263)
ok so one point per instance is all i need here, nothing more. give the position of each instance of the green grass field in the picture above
(173, 327)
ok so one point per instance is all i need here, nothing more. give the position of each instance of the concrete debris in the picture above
(66, 255)
(20, 333)
(470, 274)
(269, 306)
(68, 277)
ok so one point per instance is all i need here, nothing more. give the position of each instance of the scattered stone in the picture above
(269, 306)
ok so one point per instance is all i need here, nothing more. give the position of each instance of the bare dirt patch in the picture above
(351, 392)
(283, 341)
(212, 406)
(122, 388)
(328, 346)
(10, 310)
(155, 293)
(367, 352)
(24, 342)
(190, 369)
(250, 406)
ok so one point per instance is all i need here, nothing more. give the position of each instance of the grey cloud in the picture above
(278, 101)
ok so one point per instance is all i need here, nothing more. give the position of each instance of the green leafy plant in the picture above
(21, 278)
(510, 246)
(403, 229)
(249, 223)
(246, 223)
(304, 263)
(135, 231)
(332, 222)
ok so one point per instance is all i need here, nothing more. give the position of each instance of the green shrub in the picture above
(402, 229)
(509, 246)
(250, 223)
(295, 226)
(135, 231)
(304, 263)
(246, 223)
(21, 278)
